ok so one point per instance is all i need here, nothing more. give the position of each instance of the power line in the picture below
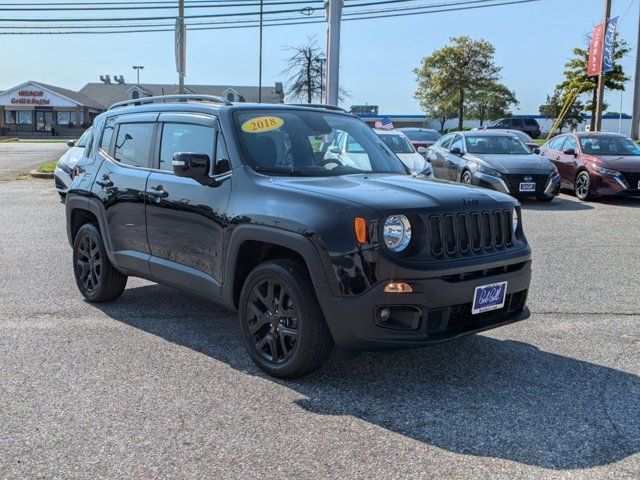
(275, 22)
(145, 6)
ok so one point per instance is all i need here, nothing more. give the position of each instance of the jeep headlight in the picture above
(516, 219)
(397, 233)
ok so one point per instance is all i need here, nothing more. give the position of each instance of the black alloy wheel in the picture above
(273, 320)
(96, 277)
(282, 324)
(582, 186)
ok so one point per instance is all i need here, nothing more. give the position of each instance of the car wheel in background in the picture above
(466, 177)
(96, 277)
(582, 186)
(282, 325)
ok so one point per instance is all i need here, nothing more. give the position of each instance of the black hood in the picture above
(400, 193)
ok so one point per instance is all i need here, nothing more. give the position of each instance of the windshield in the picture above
(312, 143)
(497, 145)
(422, 136)
(609, 146)
(397, 143)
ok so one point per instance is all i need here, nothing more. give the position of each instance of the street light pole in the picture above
(601, 76)
(137, 68)
(260, 57)
(334, 14)
(635, 119)
(181, 46)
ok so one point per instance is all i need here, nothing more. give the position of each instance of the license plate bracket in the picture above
(489, 297)
(527, 186)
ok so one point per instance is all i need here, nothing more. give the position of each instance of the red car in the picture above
(596, 163)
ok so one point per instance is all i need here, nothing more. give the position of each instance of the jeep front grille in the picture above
(468, 233)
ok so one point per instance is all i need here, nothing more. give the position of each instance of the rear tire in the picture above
(96, 277)
(582, 186)
(282, 325)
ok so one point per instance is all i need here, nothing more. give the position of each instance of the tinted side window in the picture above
(133, 144)
(556, 143)
(107, 133)
(570, 143)
(458, 143)
(446, 141)
(531, 122)
(185, 138)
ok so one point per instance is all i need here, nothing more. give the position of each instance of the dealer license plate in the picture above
(527, 186)
(489, 297)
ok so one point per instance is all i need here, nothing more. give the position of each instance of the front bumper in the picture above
(606, 185)
(548, 188)
(442, 307)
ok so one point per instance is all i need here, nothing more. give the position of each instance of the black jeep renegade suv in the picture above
(300, 218)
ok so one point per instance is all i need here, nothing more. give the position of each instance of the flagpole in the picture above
(601, 76)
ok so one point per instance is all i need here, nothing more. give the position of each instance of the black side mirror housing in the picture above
(71, 143)
(191, 165)
(455, 151)
(570, 151)
(536, 151)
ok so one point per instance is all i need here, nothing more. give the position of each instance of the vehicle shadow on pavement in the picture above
(558, 204)
(475, 396)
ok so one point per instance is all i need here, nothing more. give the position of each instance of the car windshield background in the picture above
(496, 145)
(398, 143)
(609, 146)
(312, 143)
(421, 136)
(84, 139)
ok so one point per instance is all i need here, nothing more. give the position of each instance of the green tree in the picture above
(490, 103)
(440, 108)
(554, 105)
(576, 78)
(463, 66)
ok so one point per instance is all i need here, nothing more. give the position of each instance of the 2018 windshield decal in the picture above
(262, 124)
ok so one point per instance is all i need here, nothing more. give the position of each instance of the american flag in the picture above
(384, 124)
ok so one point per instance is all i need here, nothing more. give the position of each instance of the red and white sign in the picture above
(595, 51)
(30, 97)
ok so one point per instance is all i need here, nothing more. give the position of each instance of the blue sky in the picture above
(533, 41)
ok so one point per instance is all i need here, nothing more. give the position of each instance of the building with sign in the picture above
(36, 109)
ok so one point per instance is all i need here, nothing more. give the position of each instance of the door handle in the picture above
(106, 183)
(158, 192)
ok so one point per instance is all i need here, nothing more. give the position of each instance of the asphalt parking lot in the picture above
(21, 157)
(157, 384)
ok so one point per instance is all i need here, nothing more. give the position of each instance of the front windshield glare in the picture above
(397, 143)
(312, 143)
(422, 136)
(609, 146)
(496, 145)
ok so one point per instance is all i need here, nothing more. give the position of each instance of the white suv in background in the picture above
(63, 171)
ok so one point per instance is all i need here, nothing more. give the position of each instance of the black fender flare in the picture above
(320, 272)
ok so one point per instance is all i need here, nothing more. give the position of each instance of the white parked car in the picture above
(64, 168)
(400, 144)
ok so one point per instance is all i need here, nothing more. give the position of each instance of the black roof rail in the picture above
(319, 105)
(170, 99)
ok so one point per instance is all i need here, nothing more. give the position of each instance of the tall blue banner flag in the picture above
(609, 39)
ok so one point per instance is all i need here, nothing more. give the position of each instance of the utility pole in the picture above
(635, 120)
(322, 61)
(334, 15)
(181, 60)
(601, 76)
(260, 59)
(137, 68)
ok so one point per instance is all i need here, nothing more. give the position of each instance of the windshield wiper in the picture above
(283, 171)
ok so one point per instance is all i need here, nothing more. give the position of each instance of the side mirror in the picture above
(191, 165)
(570, 151)
(335, 150)
(536, 151)
(455, 151)
(422, 150)
(71, 143)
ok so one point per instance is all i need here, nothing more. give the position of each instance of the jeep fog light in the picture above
(398, 288)
(397, 233)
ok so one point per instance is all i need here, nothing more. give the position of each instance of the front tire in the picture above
(582, 186)
(96, 277)
(466, 177)
(282, 325)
